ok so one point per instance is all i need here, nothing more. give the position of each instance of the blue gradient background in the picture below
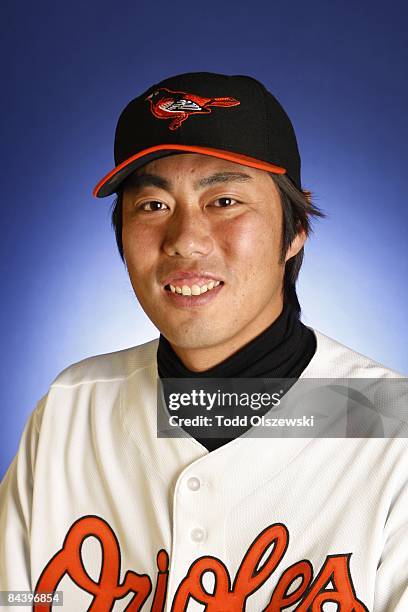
(67, 71)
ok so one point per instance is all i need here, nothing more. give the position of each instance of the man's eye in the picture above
(225, 202)
(152, 206)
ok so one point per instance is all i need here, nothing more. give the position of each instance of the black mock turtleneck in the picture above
(283, 350)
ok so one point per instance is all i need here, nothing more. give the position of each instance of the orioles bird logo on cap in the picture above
(179, 105)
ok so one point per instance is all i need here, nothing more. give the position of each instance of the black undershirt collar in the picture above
(283, 350)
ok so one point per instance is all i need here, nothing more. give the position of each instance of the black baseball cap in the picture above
(230, 117)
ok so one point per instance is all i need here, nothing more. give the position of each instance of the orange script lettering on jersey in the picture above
(310, 594)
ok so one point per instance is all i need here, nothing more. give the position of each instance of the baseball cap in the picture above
(230, 117)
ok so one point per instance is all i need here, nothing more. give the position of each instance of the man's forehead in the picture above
(201, 170)
(206, 179)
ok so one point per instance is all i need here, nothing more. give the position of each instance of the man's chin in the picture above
(194, 337)
(191, 342)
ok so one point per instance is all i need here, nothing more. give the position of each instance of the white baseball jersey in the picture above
(97, 506)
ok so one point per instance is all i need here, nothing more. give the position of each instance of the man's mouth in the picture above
(194, 289)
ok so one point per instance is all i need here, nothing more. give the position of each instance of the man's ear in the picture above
(296, 244)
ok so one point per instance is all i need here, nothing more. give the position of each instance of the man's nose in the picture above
(188, 234)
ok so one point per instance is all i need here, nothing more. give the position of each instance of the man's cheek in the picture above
(241, 239)
(140, 238)
(250, 238)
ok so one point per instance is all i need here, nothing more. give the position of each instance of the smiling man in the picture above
(202, 241)
(101, 509)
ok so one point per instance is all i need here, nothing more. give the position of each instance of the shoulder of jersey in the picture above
(334, 359)
(109, 366)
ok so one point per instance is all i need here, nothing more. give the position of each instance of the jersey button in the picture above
(197, 534)
(193, 483)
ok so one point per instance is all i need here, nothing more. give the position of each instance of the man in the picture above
(98, 505)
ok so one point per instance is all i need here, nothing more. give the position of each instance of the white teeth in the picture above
(194, 289)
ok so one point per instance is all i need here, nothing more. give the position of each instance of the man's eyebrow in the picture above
(223, 177)
(137, 181)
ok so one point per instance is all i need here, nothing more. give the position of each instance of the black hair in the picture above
(297, 207)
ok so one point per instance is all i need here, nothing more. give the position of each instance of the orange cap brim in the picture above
(244, 160)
